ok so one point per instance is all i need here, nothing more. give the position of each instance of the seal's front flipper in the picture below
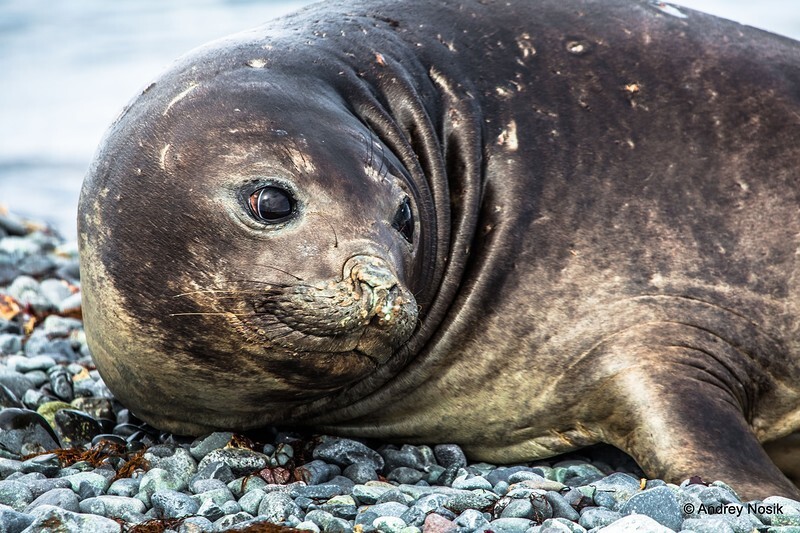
(686, 423)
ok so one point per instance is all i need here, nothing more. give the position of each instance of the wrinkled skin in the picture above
(605, 201)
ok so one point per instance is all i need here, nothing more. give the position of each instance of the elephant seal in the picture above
(524, 227)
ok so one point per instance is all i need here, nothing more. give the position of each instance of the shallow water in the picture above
(69, 67)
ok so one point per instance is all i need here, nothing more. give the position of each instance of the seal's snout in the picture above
(378, 287)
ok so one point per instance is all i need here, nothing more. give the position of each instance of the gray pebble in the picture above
(477, 499)
(40, 486)
(471, 482)
(12, 521)
(388, 524)
(228, 521)
(16, 382)
(449, 455)
(360, 473)
(215, 470)
(396, 495)
(317, 491)
(561, 507)
(327, 522)
(617, 488)
(596, 517)
(243, 485)
(205, 445)
(407, 455)
(204, 485)
(472, 520)
(218, 496)
(196, 524)
(251, 500)
(27, 291)
(180, 463)
(405, 475)
(560, 525)
(636, 522)
(241, 461)
(64, 498)
(47, 464)
(173, 504)
(510, 525)
(389, 509)
(157, 479)
(344, 452)
(55, 290)
(212, 511)
(706, 525)
(70, 522)
(15, 494)
(369, 494)
(127, 487)
(37, 362)
(316, 472)
(112, 506)
(10, 344)
(70, 304)
(659, 503)
(341, 506)
(277, 507)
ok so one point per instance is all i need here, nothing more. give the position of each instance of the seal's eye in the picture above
(271, 204)
(403, 220)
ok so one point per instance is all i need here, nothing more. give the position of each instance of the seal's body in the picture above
(523, 227)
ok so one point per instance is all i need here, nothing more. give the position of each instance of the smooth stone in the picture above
(251, 500)
(40, 486)
(112, 506)
(228, 521)
(218, 496)
(341, 507)
(561, 507)
(212, 511)
(789, 506)
(316, 472)
(48, 410)
(344, 452)
(205, 445)
(360, 473)
(11, 344)
(307, 525)
(25, 290)
(15, 494)
(277, 507)
(368, 494)
(450, 455)
(706, 525)
(59, 326)
(477, 499)
(243, 485)
(659, 503)
(196, 524)
(47, 464)
(241, 461)
(435, 523)
(395, 496)
(471, 483)
(408, 456)
(12, 521)
(560, 525)
(596, 517)
(125, 487)
(405, 475)
(215, 470)
(61, 383)
(173, 504)
(37, 362)
(157, 479)
(46, 516)
(635, 523)
(317, 491)
(179, 463)
(9, 466)
(533, 480)
(71, 304)
(617, 489)
(55, 290)
(16, 382)
(472, 520)
(388, 524)
(76, 428)
(96, 407)
(95, 480)
(64, 498)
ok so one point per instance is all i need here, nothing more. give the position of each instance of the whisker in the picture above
(223, 313)
(283, 271)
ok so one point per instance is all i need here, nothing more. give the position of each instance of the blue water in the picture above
(68, 66)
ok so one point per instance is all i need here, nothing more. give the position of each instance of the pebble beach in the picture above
(73, 459)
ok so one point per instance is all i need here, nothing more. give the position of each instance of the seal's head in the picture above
(247, 245)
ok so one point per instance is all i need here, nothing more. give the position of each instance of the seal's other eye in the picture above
(271, 205)
(403, 220)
